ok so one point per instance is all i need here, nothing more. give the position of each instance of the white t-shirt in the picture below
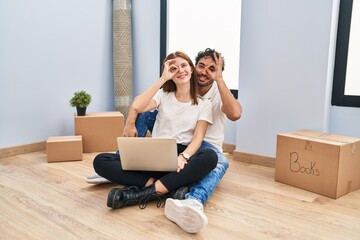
(215, 132)
(177, 119)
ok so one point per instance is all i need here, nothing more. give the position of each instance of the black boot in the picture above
(121, 197)
(178, 193)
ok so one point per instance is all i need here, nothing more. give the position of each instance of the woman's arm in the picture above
(130, 128)
(144, 102)
(195, 143)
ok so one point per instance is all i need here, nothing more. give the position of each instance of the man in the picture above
(188, 213)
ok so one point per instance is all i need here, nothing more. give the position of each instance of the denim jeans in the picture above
(144, 122)
(203, 189)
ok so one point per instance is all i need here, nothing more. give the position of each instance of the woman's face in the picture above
(184, 73)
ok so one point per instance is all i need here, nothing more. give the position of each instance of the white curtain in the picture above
(122, 55)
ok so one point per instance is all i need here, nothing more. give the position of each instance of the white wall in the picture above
(64, 46)
(284, 79)
(146, 44)
(345, 121)
(48, 50)
(286, 70)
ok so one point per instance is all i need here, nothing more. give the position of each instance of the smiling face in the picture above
(203, 79)
(184, 74)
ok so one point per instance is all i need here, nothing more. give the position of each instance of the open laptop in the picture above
(148, 154)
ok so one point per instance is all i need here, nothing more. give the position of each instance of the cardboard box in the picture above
(99, 130)
(64, 148)
(318, 162)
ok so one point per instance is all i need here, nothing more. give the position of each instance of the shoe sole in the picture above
(96, 179)
(187, 218)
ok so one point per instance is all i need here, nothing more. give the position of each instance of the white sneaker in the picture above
(187, 214)
(96, 179)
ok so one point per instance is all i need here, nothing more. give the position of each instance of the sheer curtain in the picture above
(122, 55)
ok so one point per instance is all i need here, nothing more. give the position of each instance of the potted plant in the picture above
(80, 100)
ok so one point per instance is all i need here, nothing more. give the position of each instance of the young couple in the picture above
(189, 103)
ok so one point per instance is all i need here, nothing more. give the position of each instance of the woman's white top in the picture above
(178, 119)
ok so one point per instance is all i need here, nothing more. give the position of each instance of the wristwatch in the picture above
(185, 155)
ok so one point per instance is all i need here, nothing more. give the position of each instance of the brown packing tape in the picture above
(353, 148)
(308, 145)
(321, 137)
(348, 187)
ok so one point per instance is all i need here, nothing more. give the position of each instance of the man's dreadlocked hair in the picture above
(208, 53)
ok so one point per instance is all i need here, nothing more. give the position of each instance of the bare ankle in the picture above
(159, 187)
(149, 182)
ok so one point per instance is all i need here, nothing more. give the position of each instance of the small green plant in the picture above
(81, 99)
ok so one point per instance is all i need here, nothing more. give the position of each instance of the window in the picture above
(346, 84)
(191, 26)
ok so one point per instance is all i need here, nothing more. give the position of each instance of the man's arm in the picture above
(230, 106)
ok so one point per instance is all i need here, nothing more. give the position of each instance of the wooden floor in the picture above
(40, 200)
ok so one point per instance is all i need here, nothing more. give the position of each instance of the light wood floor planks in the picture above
(40, 200)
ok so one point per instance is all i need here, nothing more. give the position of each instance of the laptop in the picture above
(148, 154)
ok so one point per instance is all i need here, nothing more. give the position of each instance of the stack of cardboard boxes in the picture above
(94, 132)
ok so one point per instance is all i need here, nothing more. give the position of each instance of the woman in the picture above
(182, 115)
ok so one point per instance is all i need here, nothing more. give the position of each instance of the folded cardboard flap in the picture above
(323, 137)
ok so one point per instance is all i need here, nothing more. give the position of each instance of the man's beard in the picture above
(203, 84)
(209, 83)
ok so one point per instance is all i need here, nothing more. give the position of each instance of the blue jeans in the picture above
(203, 189)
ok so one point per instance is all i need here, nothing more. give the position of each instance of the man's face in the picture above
(203, 78)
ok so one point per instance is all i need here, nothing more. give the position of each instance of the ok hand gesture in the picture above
(217, 73)
(170, 69)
